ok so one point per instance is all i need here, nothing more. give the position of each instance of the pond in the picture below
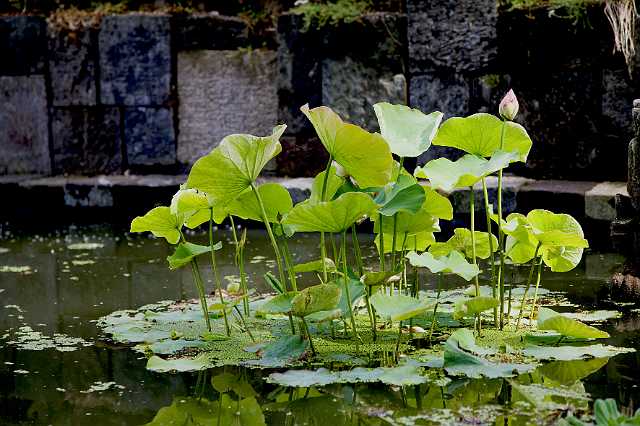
(57, 366)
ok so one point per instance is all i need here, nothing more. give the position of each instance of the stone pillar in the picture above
(633, 166)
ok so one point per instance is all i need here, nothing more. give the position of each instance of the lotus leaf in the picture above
(398, 307)
(408, 131)
(160, 222)
(454, 263)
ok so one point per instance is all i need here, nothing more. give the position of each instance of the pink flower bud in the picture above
(509, 106)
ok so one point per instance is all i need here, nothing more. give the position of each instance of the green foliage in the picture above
(551, 320)
(276, 199)
(320, 14)
(469, 307)
(398, 307)
(404, 195)
(160, 222)
(185, 252)
(461, 241)
(453, 263)
(322, 297)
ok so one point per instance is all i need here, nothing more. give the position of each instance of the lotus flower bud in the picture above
(509, 106)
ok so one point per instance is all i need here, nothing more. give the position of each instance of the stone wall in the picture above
(149, 93)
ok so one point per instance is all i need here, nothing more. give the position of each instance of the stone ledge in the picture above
(123, 196)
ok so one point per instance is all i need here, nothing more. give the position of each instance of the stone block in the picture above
(448, 93)
(73, 65)
(633, 170)
(135, 60)
(86, 140)
(24, 139)
(299, 78)
(149, 136)
(209, 32)
(351, 88)
(301, 156)
(561, 196)
(511, 185)
(224, 92)
(600, 200)
(617, 97)
(455, 34)
(23, 45)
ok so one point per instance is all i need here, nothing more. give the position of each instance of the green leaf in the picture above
(322, 316)
(408, 131)
(520, 244)
(334, 182)
(416, 242)
(365, 156)
(568, 372)
(330, 216)
(275, 197)
(234, 164)
(466, 171)
(194, 207)
(461, 241)
(467, 341)
(160, 222)
(405, 195)
(437, 205)
(408, 222)
(569, 353)
(280, 304)
(274, 283)
(228, 382)
(404, 375)
(459, 362)
(551, 320)
(479, 134)
(315, 266)
(185, 252)
(453, 263)
(377, 278)
(468, 307)
(279, 353)
(556, 230)
(356, 291)
(322, 297)
(398, 307)
(159, 365)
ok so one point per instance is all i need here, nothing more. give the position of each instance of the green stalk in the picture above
(346, 288)
(274, 244)
(306, 329)
(435, 308)
(398, 341)
(535, 294)
(216, 277)
(288, 262)
(359, 262)
(494, 286)
(323, 247)
(381, 243)
(197, 278)
(526, 289)
(240, 263)
(395, 219)
(500, 233)
(244, 324)
(472, 207)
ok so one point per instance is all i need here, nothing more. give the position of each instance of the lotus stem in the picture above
(356, 250)
(494, 286)
(398, 341)
(244, 324)
(382, 266)
(526, 289)
(323, 247)
(201, 293)
(395, 219)
(472, 208)
(240, 263)
(434, 320)
(500, 233)
(216, 277)
(308, 333)
(288, 262)
(535, 294)
(346, 288)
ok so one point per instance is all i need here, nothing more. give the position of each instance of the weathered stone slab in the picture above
(511, 186)
(301, 156)
(299, 78)
(86, 140)
(600, 200)
(617, 96)
(149, 136)
(135, 60)
(23, 45)
(209, 32)
(24, 139)
(224, 92)
(454, 34)
(561, 196)
(72, 65)
(633, 180)
(351, 88)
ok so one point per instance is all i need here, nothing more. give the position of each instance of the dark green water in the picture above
(64, 290)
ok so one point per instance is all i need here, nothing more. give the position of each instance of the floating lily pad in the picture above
(550, 320)
(398, 307)
(568, 353)
(454, 263)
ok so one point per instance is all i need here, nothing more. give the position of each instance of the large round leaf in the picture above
(185, 252)
(408, 223)
(160, 222)
(322, 297)
(468, 307)
(556, 229)
(234, 164)
(461, 241)
(334, 182)
(418, 241)
(479, 134)
(365, 156)
(276, 199)
(453, 263)
(404, 195)
(398, 307)
(437, 205)
(466, 171)
(330, 216)
(194, 208)
(551, 320)
(408, 131)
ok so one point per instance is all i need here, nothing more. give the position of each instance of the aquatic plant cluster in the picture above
(354, 311)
